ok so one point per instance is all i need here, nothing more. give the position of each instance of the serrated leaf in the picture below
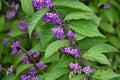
(54, 74)
(77, 77)
(105, 75)
(83, 15)
(55, 46)
(27, 7)
(77, 5)
(23, 67)
(2, 22)
(94, 53)
(35, 20)
(86, 28)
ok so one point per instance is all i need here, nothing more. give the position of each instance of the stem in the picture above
(6, 3)
(70, 40)
(31, 58)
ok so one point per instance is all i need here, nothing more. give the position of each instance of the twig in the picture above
(6, 3)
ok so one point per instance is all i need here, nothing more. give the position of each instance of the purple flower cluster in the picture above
(1, 68)
(70, 34)
(75, 66)
(39, 4)
(59, 33)
(41, 65)
(53, 18)
(87, 70)
(25, 60)
(73, 52)
(10, 70)
(35, 54)
(14, 9)
(16, 49)
(31, 75)
(5, 42)
(22, 25)
(106, 6)
(36, 36)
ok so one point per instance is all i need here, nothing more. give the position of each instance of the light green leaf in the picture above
(55, 46)
(2, 22)
(86, 28)
(54, 74)
(35, 20)
(105, 75)
(27, 7)
(79, 36)
(72, 4)
(17, 32)
(83, 15)
(21, 68)
(77, 77)
(94, 53)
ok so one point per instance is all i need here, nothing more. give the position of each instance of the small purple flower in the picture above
(1, 68)
(53, 18)
(75, 66)
(36, 36)
(15, 47)
(32, 71)
(70, 34)
(73, 52)
(25, 60)
(106, 6)
(34, 78)
(5, 42)
(87, 70)
(39, 4)
(41, 65)
(22, 25)
(59, 33)
(10, 70)
(36, 55)
(12, 13)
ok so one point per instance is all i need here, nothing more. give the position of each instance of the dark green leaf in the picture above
(0, 5)
(10, 77)
(2, 22)
(55, 46)
(77, 77)
(105, 75)
(35, 20)
(86, 28)
(27, 7)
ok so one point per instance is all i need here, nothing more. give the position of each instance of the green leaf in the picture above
(17, 59)
(55, 46)
(27, 7)
(83, 15)
(35, 20)
(101, 2)
(105, 26)
(94, 53)
(21, 68)
(77, 77)
(118, 32)
(79, 37)
(54, 74)
(86, 28)
(72, 4)
(2, 22)
(17, 32)
(10, 77)
(105, 75)
(114, 41)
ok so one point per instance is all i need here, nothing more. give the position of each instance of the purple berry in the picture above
(22, 25)
(70, 34)
(5, 42)
(41, 65)
(106, 6)
(25, 60)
